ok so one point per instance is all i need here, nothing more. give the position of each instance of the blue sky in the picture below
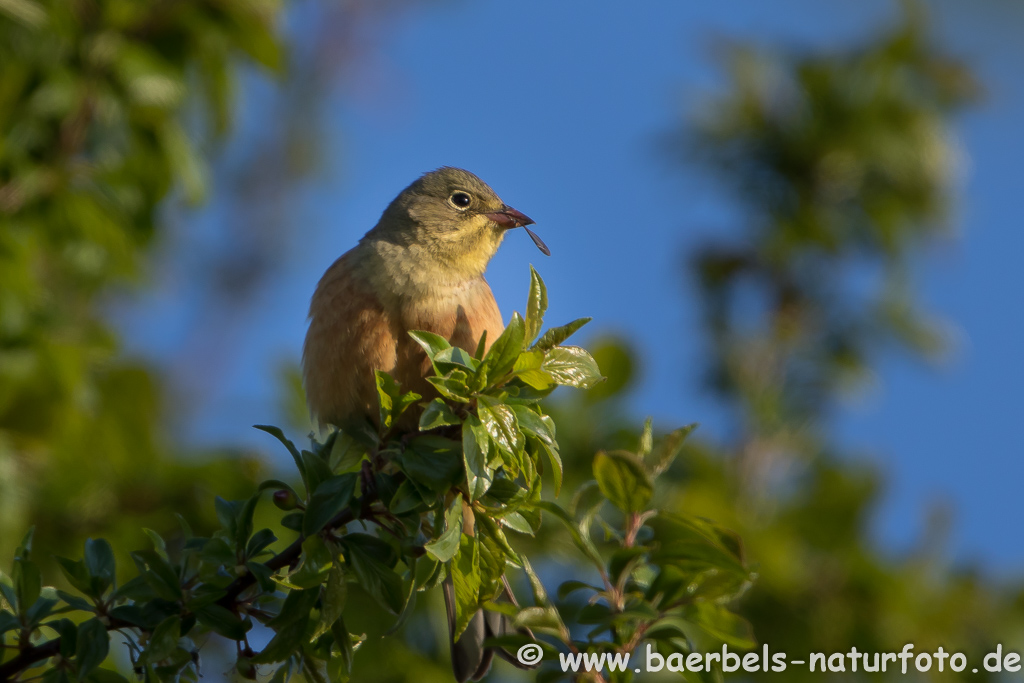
(561, 110)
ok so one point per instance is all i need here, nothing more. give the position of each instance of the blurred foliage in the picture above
(843, 164)
(93, 98)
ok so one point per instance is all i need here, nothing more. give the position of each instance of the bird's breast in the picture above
(460, 313)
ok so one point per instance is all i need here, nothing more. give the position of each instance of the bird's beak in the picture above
(510, 218)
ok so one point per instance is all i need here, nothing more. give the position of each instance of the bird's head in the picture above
(454, 216)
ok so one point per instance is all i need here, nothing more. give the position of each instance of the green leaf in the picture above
(330, 498)
(8, 622)
(43, 607)
(279, 435)
(333, 595)
(259, 542)
(91, 646)
(582, 541)
(76, 602)
(669, 448)
(572, 366)
(76, 574)
(502, 355)
(137, 589)
(454, 385)
(284, 644)
(66, 630)
(28, 583)
(624, 560)
(408, 499)
(516, 522)
(296, 609)
(204, 594)
(106, 676)
(317, 470)
(316, 563)
(410, 602)
(623, 480)
(556, 464)
(540, 596)
(161, 576)
(465, 573)
(243, 525)
(346, 454)
(99, 562)
(722, 624)
(493, 560)
(695, 544)
(493, 540)
(556, 335)
(163, 642)
(428, 573)
(481, 346)
(376, 577)
(432, 343)
(542, 427)
(540, 619)
(475, 450)
(216, 551)
(392, 402)
(444, 547)
(536, 306)
(159, 544)
(227, 515)
(223, 621)
(454, 358)
(339, 668)
(432, 463)
(528, 369)
(438, 414)
(501, 424)
(505, 490)
(534, 424)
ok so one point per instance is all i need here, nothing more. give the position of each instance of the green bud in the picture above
(246, 669)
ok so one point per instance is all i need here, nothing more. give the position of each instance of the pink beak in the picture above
(510, 218)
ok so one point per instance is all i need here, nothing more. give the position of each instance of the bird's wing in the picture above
(350, 335)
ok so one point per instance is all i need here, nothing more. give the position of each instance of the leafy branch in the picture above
(444, 500)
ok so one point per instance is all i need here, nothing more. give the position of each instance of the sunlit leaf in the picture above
(572, 366)
(536, 306)
(444, 547)
(466, 581)
(556, 335)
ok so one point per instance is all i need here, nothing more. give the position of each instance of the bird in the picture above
(421, 267)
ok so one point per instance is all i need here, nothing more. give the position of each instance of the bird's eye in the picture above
(460, 200)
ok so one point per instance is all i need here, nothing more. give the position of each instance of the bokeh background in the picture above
(793, 223)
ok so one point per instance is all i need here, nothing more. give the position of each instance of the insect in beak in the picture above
(509, 218)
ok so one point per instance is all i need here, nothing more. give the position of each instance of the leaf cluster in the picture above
(444, 498)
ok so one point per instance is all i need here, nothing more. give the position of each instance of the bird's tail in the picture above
(470, 659)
